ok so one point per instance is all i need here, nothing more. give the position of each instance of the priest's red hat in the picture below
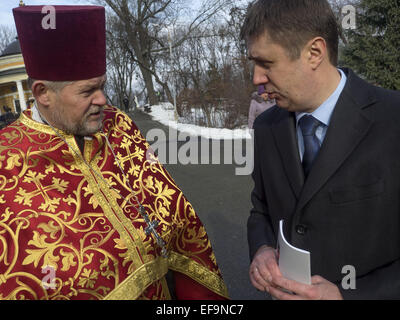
(62, 43)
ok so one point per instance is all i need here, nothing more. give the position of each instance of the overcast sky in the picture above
(6, 6)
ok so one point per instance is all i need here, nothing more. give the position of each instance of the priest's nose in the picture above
(99, 98)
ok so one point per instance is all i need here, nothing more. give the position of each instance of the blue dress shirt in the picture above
(323, 113)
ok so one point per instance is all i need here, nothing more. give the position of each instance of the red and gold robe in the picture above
(66, 234)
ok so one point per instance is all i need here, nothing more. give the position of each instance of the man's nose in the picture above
(259, 76)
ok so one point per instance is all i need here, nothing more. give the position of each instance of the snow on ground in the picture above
(164, 113)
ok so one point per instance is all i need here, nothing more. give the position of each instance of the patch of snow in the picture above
(164, 113)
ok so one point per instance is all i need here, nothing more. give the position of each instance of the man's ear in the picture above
(316, 52)
(41, 93)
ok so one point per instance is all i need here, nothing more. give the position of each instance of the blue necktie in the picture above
(308, 125)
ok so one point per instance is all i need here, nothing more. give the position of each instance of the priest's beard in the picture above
(85, 126)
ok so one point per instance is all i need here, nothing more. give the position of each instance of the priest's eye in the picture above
(87, 93)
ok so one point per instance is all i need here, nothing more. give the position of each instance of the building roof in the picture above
(12, 48)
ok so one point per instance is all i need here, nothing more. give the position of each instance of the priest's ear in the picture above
(40, 91)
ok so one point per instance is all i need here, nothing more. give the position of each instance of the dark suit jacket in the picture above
(347, 212)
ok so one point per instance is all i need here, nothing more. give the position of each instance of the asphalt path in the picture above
(221, 199)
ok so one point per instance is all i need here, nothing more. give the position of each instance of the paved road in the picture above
(222, 201)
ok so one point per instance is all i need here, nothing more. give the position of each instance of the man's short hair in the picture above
(55, 86)
(292, 23)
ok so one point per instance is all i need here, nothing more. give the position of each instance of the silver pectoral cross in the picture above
(151, 229)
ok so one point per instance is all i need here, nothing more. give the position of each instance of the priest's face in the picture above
(78, 107)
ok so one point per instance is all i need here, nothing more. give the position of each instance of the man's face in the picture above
(78, 107)
(285, 80)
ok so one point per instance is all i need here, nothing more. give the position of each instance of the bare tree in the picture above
(121, 68)
(7, 35)
(145, 24)
(214, 74)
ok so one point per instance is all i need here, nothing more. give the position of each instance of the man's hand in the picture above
(320, 289)
(264, 268)
(265, 276)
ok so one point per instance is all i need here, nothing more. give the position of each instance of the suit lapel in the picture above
(285, 138)
(348, 126)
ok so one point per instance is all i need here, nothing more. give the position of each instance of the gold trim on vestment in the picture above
(87, 150)
(136, 283)
(197, 272)
(133, 286)
(107, 203)
(165, 289)
(41, 127)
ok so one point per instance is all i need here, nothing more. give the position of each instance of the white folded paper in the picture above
(294, 263)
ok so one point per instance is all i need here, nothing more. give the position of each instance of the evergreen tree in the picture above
(373, 47)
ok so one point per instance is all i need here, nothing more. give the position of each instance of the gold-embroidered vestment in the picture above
(66, 234)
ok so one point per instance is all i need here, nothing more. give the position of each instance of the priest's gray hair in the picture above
(55, 86)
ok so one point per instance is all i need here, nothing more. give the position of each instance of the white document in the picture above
(294, 263)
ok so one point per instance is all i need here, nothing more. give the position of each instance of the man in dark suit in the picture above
(326, 159)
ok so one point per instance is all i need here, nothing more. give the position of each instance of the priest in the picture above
(86, 210)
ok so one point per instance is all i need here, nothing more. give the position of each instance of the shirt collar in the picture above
(324, 112)
(35, 114)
